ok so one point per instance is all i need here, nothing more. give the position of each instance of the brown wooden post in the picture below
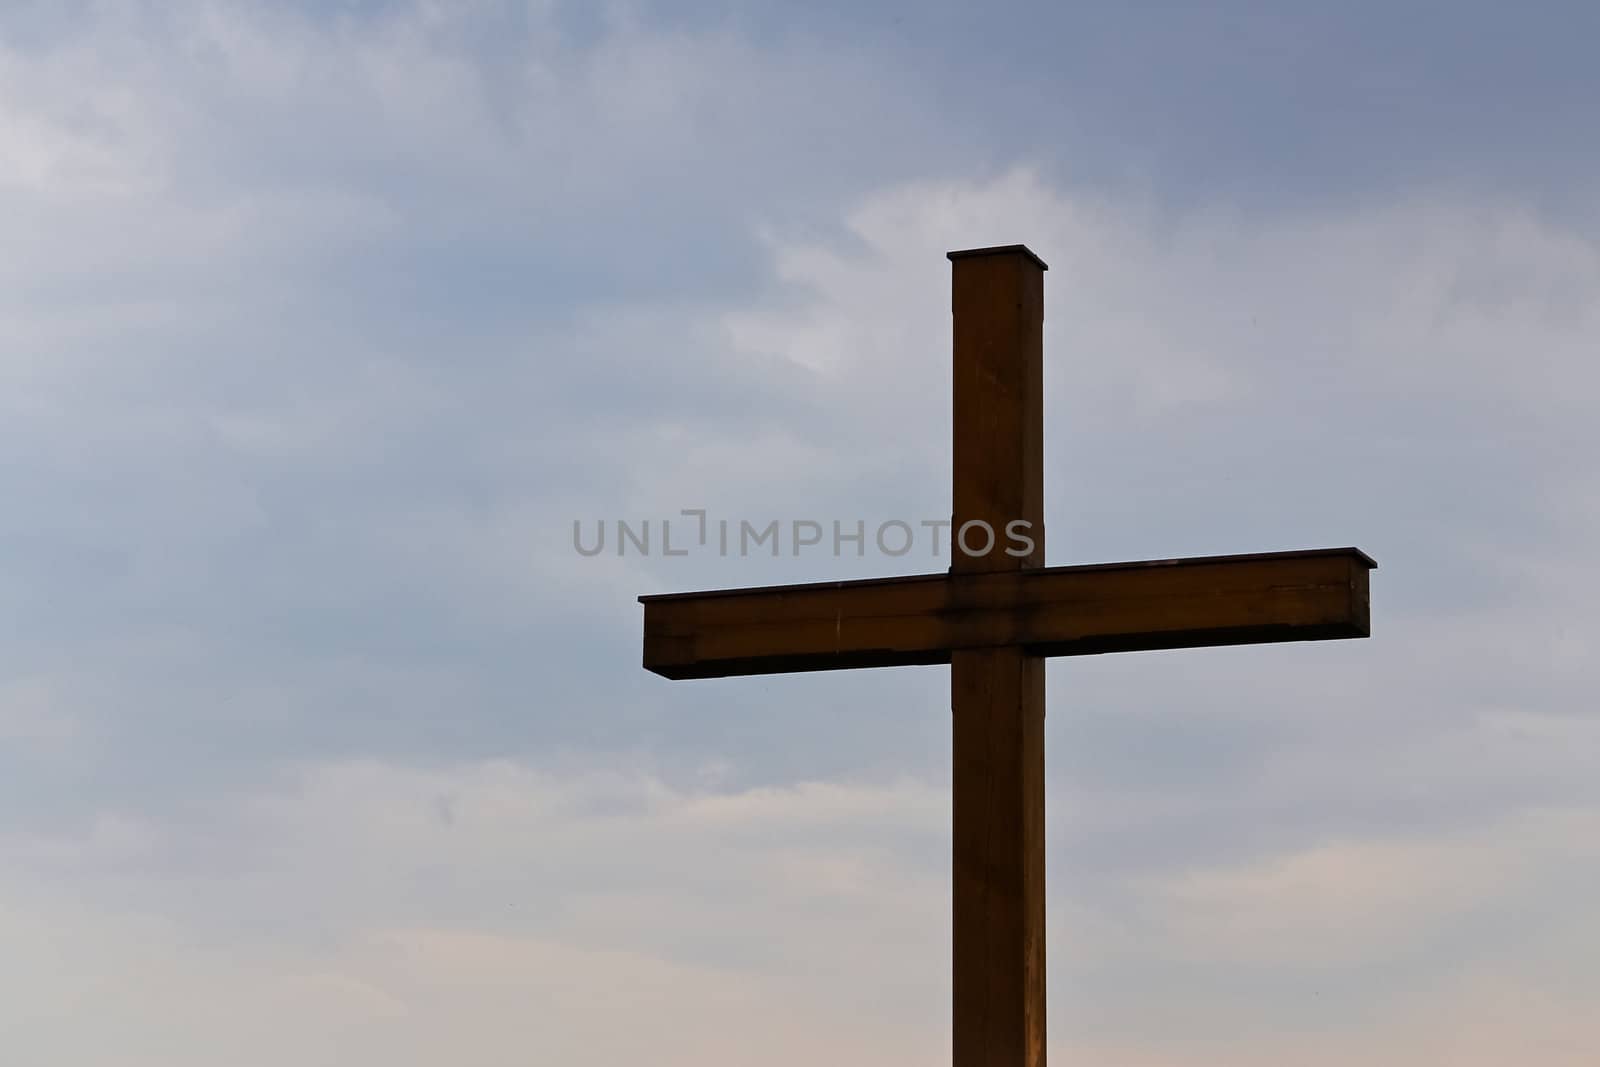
(993, 618)
(997, 694)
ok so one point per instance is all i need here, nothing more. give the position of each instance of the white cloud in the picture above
(258, 507)
(500, 912)
(1362, 903)
(497, 912)
(30, 715)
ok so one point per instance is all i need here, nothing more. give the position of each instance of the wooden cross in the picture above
(992, 618)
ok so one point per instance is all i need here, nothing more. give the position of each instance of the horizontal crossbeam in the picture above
(1048, 611)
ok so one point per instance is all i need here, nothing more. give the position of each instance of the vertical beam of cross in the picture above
(997, 694)
(992, 618)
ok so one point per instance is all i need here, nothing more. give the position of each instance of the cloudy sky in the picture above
(321, 323)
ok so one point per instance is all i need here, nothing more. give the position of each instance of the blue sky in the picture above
(321, 323)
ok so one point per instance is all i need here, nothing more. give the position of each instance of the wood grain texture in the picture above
(993, 618)
(1048, 611)
(997, 302)
(996, 683)
(998, 938)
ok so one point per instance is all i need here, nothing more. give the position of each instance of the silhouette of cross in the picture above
(993, 618)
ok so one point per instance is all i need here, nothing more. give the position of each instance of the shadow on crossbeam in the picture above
(1314, 595)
